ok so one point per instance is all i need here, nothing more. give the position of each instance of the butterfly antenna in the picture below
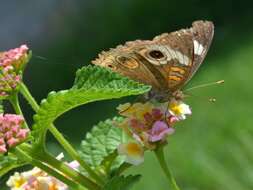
(204, 85)
(210, 99)
(47, 61)
(40, 57)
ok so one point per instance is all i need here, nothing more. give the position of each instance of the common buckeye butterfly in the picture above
(167, 62)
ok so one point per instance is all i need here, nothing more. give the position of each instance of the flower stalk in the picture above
(27, 95)
(72, 152)
(15, 104)
(159, 152)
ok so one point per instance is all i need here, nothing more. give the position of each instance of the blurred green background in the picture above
(212, 149)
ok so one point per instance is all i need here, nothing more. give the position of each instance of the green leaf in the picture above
(92, 83)
(8, 163)
(101, 143)
(121, 182)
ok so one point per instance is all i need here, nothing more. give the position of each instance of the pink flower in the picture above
(11, 131)
(74, 164)
(12, 141)
(12, 63)
(3, 148)
(159, 131)
(137, 125)
(157, 114)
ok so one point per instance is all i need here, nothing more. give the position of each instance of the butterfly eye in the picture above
(156, 54)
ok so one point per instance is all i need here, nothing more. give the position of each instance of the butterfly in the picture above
(167, 62)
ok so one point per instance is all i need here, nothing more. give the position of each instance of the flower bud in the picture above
(11, 131)
(12, 63)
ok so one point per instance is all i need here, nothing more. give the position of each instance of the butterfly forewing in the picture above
(202, 37)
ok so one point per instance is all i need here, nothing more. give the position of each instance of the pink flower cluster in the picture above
(11, 131)
(8, 81)
(147, 123)
(13, 57)
(35, 179)
(151, 122)
(11, 64)
(153, 126)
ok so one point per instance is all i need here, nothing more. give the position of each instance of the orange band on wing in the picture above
(175, 78)
(177, 69)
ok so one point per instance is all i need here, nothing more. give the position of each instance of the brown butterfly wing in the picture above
(203, 32)
(167, 62)
(188, 48)
(178, 48)
(124, 60)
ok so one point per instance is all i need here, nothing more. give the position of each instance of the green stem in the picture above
(78, 177)
(108, 161)
(26, 93)
(15, 104)
(19, 152)
(123, 168)
(72, 152)
(60, 166)
(159, 152)
(60, 138)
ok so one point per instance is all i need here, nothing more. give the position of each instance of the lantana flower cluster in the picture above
(11, 131)
(149, 124)
(36, 179)
(33, 180)
(11, 64)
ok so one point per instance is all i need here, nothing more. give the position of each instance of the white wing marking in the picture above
(198, 48)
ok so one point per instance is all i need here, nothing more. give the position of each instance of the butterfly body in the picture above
(167, 62)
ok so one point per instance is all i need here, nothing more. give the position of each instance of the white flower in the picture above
(133, 152)
(179, 109)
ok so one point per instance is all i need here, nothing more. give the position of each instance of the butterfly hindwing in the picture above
(124, 60)
(179, 50)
